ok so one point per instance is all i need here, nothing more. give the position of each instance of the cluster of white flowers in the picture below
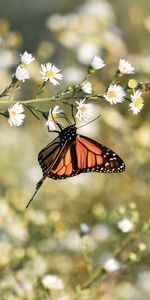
(114, 93)
(49, 71)
(21, 72)
(84, 111)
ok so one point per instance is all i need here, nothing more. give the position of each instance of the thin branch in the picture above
(54, 98)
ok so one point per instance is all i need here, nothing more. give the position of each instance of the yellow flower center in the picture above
(49, 74)
(52, 117)
(83, 108)
(132, 84)
(123, 69)
(138, 101)
(13, 113)
(111, 94)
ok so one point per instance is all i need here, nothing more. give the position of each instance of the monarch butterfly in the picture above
(70, 154)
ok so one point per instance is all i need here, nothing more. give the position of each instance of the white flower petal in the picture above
(87, 87)
(125, 67)
(26, 58)
(50, 125)
(16, 116)
(22, 73)
(97, 63)
(84, 111)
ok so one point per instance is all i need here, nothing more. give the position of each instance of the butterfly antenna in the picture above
(60, 127)
(89, 122)
(72, 107)
(73, 114)
(40, 182)
(65, 117)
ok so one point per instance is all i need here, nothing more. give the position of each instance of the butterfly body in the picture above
(67, 134)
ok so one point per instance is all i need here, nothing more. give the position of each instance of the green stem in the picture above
(54, 98)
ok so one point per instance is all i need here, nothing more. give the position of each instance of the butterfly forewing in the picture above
(48, 154)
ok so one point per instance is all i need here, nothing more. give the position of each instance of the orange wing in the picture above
(80, 155)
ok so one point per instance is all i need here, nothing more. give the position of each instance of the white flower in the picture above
(125, 67)
(115, 94)
(26, 58)
(125, 225)
(21, 73)
(111, 265)
(16, 115)
(97, 63)
(52, 282)
(85, 111)
(137, 102)
(87, 87)
(50, 124)
(51, 72)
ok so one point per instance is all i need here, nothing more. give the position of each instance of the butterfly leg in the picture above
(40, 182)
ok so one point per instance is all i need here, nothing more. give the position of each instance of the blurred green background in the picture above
(45, 238)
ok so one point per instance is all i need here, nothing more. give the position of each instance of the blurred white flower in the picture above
(125, 67)
(87, 87)
(126, 225)
(52, 282)
(16, 115)
(26, 58)
(50, 123)
(51, 73)
(22, 73)
(73, 75)
(115, 94)
(99, 8)
(84, 229)
(137, 102)
(86, 51)
(97, 63)
(85, 111)
(111, 265)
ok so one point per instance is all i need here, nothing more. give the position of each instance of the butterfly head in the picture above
(68, 134)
